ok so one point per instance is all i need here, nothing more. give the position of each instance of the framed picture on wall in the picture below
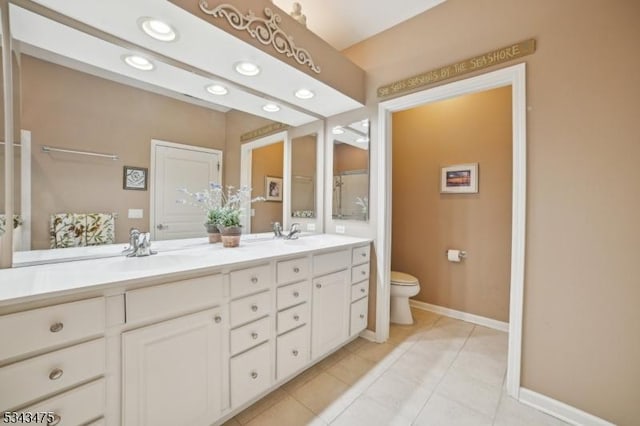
(134, 178)
(273, 188)
(459, 178)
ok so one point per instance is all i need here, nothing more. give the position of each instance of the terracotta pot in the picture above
(230, 236)
(214, 233)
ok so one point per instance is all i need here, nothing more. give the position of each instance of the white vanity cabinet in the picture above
(360, 258)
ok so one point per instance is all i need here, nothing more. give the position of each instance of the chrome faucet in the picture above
(293, 232)
(139, 244)
(277, 230)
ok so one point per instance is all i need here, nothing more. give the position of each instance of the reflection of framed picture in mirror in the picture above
(273, 188)
(461, 178)
(134, 178)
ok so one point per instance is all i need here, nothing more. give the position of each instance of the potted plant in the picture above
(210, 201)
(230, 227)
(213, 218)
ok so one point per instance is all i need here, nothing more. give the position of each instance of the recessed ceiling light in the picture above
(158, 29)
(304, 94)
(338, 130)
(217, 89)
(271, 108)
(138, 62)
(247, 68)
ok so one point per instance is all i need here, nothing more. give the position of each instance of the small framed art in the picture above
(273, 188)
(134, 178)
(459, 178)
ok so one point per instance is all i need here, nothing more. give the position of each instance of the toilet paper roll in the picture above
(453, 255)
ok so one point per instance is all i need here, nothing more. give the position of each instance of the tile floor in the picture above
(439, 371)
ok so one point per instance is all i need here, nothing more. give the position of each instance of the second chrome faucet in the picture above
(293, 232)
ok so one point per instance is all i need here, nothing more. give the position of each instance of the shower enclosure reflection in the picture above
(351, 171)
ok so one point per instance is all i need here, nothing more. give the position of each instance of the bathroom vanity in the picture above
(185, 337)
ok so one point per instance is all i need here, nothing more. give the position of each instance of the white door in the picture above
(330, 312)
(177, 166)
(172, 371)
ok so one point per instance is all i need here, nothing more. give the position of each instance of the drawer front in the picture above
(77, 406)
(163, 301)
(293, 294)
(361, 254)
(360, 273)
(293, 351)
(28, 331)
(359, 290)
(250, 308)
(289, 271)
(293, 317)
(250, 374)
(249, 335)
(359, 312)
(331, 262)
(36, 377)
(249, 280)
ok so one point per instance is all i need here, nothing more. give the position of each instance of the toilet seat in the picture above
(400, 278)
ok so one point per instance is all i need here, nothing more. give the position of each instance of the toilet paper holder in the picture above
(462, 255)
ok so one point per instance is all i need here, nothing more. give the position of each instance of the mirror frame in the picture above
(6, 256)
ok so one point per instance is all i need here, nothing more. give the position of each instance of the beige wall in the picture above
(581, 316)
(469, 129)
(303, 163)
(265, 161)
(66, 108)
(347, 157)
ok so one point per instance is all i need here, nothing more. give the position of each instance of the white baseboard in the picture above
(464, 316)
(560, 410)
(369, 335)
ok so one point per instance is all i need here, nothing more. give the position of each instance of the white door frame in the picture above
(245, 171)
(513, 76)
(152, 173)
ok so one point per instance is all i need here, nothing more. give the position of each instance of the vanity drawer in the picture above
(292, 270)
(166, 300)
(293, 294)
(250, 374)
(77, 406)
(359, 290)
(249, 280)
(250, 308)
(331, 262)
(293, 352)
(249, 335)
(31, 379)
(360, 254)
(360, 273)
(359, 311)
(293, 317)
(28, 331)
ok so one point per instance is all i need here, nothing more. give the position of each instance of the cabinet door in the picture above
(172, 371)
(330, 312)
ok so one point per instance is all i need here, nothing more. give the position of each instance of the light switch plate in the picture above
(253, 212)
(311, 226)
(135, 214)
(340, 229)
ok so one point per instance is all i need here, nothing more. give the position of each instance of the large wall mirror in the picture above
(350, 199)
(85, 129)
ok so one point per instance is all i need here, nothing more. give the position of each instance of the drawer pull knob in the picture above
(362, 316)
(363, 254)
(254, 375)
(296, 294)
(55, 420)
(296, 317)
(217, 319)
(55, 374)
(295, 352)
(254, 279)
(362, 290)
(254, 335)
(318, 285)
(363, 272)
(254, 308)
(56, 327)
(296, 269)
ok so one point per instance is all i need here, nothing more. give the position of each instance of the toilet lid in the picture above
(400, 278)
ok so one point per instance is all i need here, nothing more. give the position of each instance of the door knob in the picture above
(162, 226)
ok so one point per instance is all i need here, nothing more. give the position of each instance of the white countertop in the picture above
(35, 282)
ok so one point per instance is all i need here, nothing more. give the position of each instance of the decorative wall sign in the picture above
(266, 31)
(263, 131)
(461, 178)
(273, 188)
(134, 178)
(476, 63)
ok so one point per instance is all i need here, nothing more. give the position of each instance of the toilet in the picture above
(403, 286)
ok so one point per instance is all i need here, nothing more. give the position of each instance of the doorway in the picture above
(176, 166)
(512, 76)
